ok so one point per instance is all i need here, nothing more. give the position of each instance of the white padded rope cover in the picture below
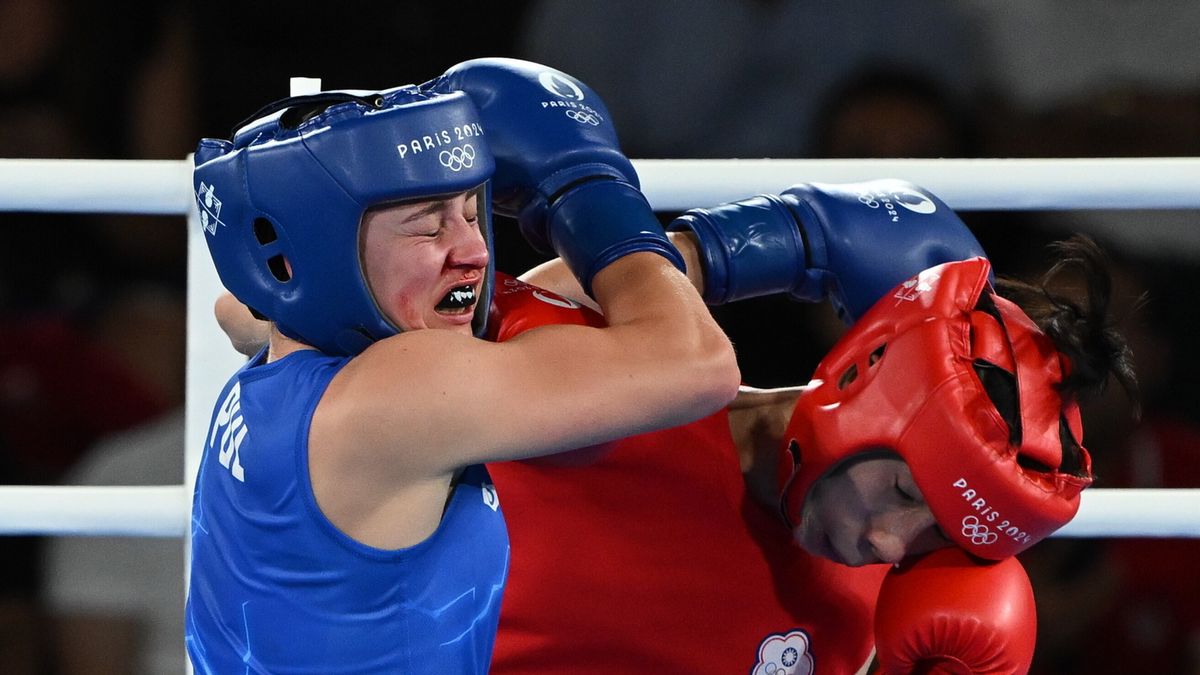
(164, 187)
(137, 511)
(155, 187)
(163, 512)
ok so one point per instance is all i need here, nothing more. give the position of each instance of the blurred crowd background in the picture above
(92, 307)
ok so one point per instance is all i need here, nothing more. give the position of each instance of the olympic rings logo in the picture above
(458, 158)
(980, 534)
(584, 117)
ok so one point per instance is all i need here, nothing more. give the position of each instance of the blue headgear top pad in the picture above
(295, 187)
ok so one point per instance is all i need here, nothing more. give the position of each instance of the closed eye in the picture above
(425, 233)
(905, 495)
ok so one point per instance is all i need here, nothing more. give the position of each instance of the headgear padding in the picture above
(903, 379)
(294, 184)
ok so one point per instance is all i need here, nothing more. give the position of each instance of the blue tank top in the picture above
(276, 588)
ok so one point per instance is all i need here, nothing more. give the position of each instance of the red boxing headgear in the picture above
(903, 379)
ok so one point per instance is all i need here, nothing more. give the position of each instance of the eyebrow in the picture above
(431, 207)
(437, 204)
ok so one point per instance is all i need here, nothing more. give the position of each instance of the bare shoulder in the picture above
(388, 397)
(374, 440)
(425, 403)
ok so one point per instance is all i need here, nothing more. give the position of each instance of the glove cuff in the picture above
(532, 207)
(594, 223)
(749, 248)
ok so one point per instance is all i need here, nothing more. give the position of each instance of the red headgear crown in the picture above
(903, 379)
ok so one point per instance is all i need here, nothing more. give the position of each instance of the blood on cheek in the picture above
(405, 309)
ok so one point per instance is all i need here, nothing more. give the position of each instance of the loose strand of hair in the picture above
(1082, 330)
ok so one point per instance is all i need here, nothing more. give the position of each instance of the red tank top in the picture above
(650, 556)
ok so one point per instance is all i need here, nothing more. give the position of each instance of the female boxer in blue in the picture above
(342, 522)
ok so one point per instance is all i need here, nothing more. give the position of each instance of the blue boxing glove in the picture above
(559, 169)
(851, 243)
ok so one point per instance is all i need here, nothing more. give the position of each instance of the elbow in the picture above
(720, 377)
(731, 375)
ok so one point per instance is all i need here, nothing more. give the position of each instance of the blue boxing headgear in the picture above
(293, 186)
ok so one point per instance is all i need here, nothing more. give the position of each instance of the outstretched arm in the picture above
(847, 243)
(757, 420)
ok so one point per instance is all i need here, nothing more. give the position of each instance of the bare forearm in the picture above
(654, 309)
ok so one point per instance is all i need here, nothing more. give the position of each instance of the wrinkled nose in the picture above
(892, 536)
(469, 248)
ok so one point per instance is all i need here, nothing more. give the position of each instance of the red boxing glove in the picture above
(950, 614)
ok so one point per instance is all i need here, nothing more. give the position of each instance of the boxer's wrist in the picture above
(595, 223)
(688, 246)
(748, 248)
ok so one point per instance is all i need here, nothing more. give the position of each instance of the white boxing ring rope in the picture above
(162, 511)
(164, 188)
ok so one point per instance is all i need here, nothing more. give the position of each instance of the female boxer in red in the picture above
(864, 503)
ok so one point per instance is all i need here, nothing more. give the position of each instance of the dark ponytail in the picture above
(1082, 329)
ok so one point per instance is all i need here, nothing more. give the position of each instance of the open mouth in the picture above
(459, 300)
